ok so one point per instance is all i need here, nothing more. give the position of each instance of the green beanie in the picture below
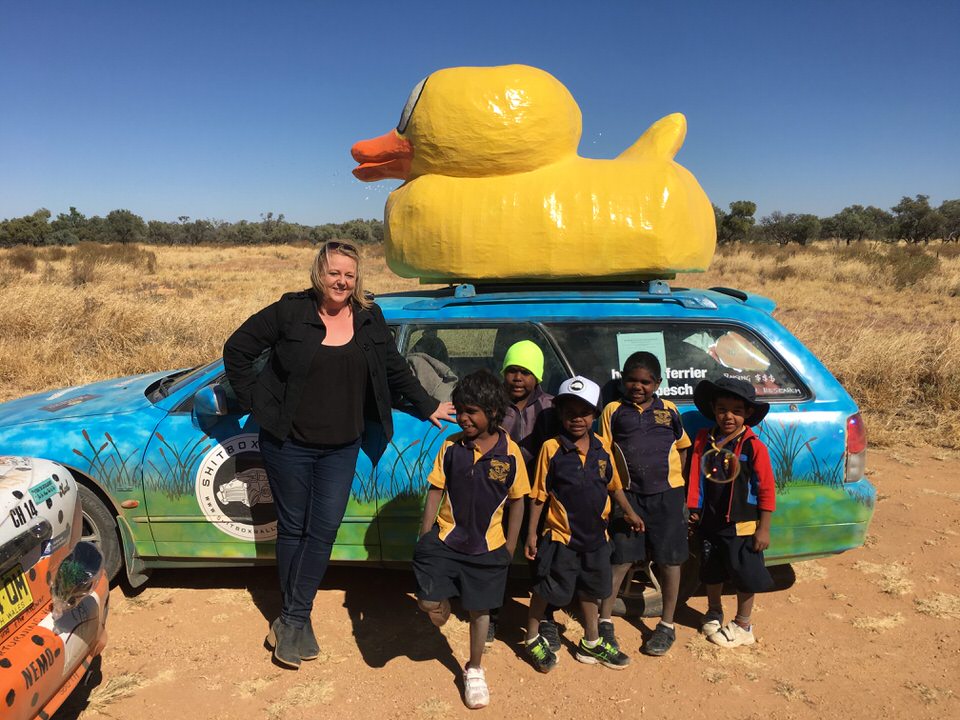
(527, 355)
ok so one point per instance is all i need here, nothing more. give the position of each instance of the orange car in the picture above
(53, 591)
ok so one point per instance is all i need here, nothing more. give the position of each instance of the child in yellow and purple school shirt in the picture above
(463, 550)
(574, 481)
(649, 432)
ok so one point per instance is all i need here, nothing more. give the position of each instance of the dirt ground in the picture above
(872, 633)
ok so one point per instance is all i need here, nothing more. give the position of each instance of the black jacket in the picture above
(292, 331)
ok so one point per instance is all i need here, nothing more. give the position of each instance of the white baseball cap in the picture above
(581, 387)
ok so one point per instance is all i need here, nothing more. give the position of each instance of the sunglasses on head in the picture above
(337, 245)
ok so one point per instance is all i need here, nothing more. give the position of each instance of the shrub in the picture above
(778, 272)
(948, 250)
(23, 258)
(862, 252)
(121, 254)
(53, 254)
(910, 265)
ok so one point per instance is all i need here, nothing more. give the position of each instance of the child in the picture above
(731, 494)
(649, 432)
(576, 472)
(463, 549)
(530, 419)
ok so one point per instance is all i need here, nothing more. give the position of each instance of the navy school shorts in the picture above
(732, 557)
(441, 572)
(665, 519)
(560, 573)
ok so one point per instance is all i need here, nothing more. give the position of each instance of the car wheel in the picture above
(100, 528)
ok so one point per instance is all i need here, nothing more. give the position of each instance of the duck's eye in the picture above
(411, 104)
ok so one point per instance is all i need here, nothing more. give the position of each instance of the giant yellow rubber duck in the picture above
(494, 188)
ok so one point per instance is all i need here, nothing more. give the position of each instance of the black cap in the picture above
(706, 392)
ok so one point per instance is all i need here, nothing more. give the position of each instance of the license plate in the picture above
(15, 595)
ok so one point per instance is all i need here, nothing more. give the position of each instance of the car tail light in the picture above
(856, 448)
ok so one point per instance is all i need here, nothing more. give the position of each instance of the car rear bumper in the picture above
(48, 657)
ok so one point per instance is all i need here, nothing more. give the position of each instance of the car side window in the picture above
(688, 353)
(462, 348)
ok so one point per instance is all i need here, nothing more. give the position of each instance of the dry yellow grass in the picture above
(68, 322)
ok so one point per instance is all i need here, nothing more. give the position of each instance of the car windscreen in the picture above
(175, 381)
(688, 352)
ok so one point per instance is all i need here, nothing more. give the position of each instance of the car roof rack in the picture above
(652, 290)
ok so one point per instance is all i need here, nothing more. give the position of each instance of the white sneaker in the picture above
(712, 622)
(475, 692)
(732, 635)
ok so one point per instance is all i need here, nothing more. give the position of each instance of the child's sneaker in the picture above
(541, 655)
(660, 641)
(551, 633)
(608, 633)
(476, 694)
(603, 653)
(712, 622)
(732, 635)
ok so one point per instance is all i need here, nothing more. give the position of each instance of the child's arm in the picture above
(514, 519)
(633, 520)
(533, 522)
(434, 495)
(761, 538)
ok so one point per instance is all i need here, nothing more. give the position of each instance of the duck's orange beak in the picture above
(387, 156)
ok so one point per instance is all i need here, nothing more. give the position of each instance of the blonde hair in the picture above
(319, 269)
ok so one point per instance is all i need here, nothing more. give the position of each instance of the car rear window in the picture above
(688, 353)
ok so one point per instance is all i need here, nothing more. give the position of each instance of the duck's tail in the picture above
(662, 139)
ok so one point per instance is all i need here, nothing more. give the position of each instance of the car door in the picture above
(208, 495)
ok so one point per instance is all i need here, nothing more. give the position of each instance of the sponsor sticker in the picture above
(47, 489)
(233, 491)
(70, 402)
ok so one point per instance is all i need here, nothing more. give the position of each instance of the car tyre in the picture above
(100, 528)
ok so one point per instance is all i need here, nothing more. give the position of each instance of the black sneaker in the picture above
(660, 641)
(541, 656)
(551, 633)
(603, 653)
(608, 635)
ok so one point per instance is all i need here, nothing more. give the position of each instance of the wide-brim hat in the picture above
(707, 391)
(580, 387)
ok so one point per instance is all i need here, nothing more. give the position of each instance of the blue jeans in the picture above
(310, 486)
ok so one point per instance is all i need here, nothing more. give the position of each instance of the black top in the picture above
(331, 407)
(271, 383)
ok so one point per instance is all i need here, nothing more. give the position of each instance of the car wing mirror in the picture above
(210, 402)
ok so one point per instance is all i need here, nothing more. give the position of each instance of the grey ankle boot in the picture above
(309, 647)
(285, 641)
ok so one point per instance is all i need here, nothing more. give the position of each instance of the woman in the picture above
(332, 366)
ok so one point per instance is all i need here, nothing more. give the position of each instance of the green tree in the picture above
(737, 224)
(915, 220)
(792, 227)
(123, 226)
(69, 228)
(33, 229)
(854, 223)
(950, 212)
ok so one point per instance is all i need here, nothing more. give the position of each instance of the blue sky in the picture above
(226, 110)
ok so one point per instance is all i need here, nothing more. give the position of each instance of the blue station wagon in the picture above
(170, 473)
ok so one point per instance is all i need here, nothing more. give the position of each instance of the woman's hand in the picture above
(444, 411)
